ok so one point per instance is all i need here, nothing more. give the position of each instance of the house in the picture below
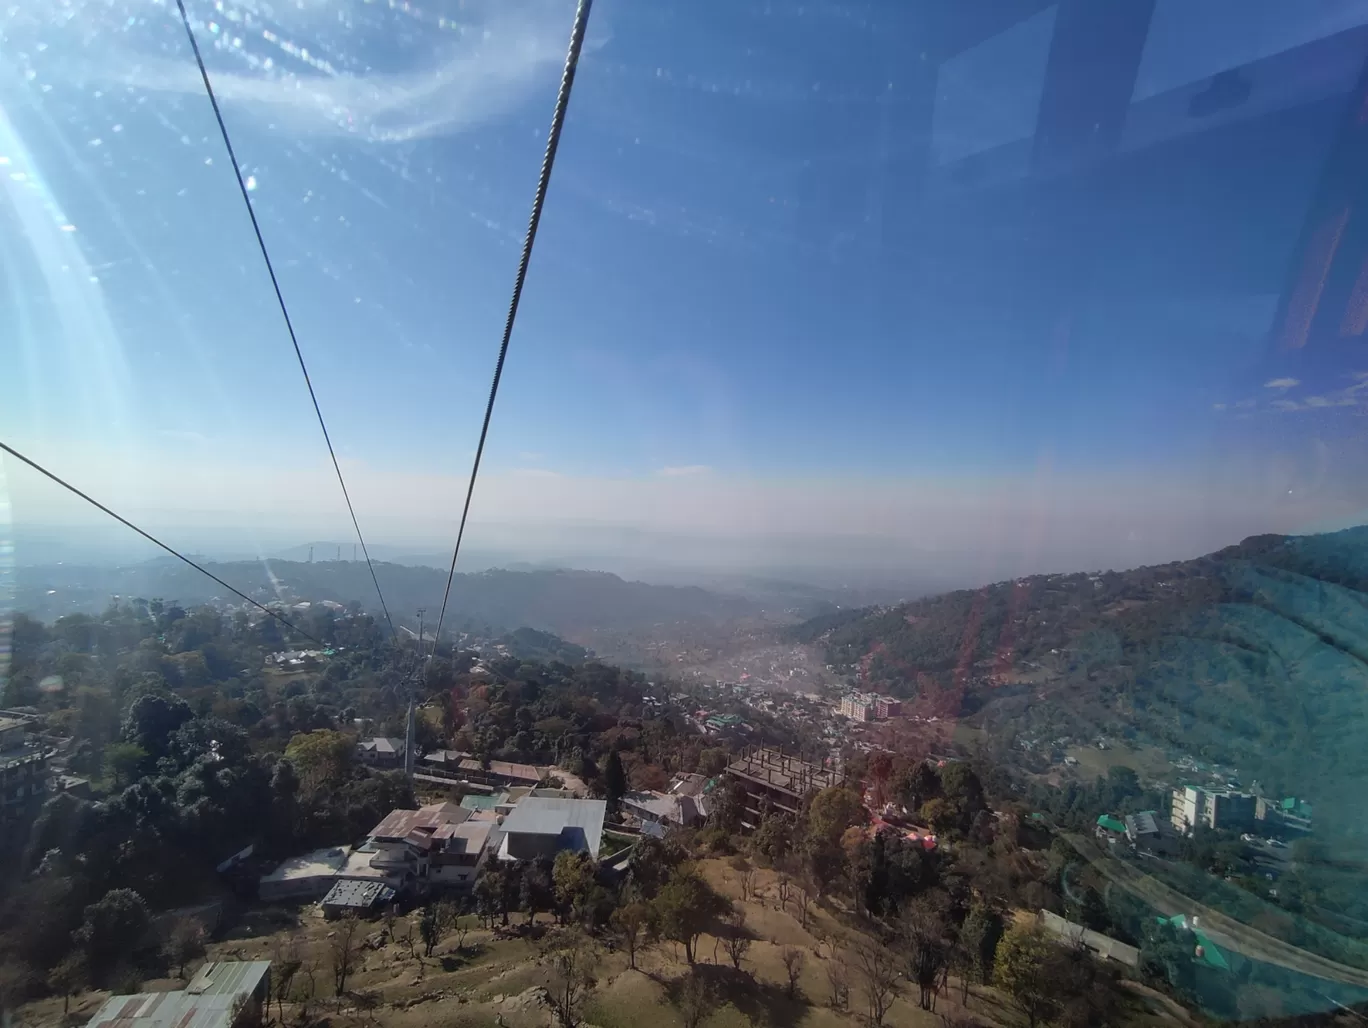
(381, 752)
(1148, 832)
(222, 994)
(663, 808)
(542, 827)
(1109, 828)
(503, 773)
(352, 897)
(460, 851)
(303, 878)
(405, 839)
(684, 784)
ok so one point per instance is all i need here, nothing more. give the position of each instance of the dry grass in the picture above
(489, 982)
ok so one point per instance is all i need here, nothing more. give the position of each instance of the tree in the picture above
(125, 762)
(736, 938)
(802, 901)
(431, 928)
(114, 928)
(1022, 970)
(783, 887)
(838, 980)
(151, 719)
(67, 977)
(573, 962)
(629, 923)
(773, 840)
(344, 948)
(685, 907)
(747, 883)
(184, 943)
(923, 932)
(793, 959)
(879, 975)
(573, 875)
(319, 757)
(832, 811)
(285, 964)
(614, 780)
(535, 889)
(696, 999)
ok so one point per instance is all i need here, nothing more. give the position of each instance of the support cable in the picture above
(543, 181)
(284, 310)
(153, 539)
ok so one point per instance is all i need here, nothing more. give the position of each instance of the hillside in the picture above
(567, 603)
(1254, 656)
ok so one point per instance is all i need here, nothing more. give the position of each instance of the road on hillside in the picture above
(1222, 929)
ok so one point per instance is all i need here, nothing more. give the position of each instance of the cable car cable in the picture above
(543, 181)
(153, 539)
(284, 310)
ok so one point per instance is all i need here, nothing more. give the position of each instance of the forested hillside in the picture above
(1252, 656)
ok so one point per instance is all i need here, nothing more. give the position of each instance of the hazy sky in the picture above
(820, 278)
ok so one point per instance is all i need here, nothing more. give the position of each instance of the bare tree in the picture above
(838, 977)
(630, 923)
(737, 937)
(696, 1000)
(793, 959)
(879, 975)
(460, 928)
(184, 942)
(747, 885)
(344, 951)
(285, 964)
(784, 887)
(67, 977)
(803, 900)
(923, 931)
(573, 962)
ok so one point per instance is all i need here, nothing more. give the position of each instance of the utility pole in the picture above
(411, 731)
(310, 554)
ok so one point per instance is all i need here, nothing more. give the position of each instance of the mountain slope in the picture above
(567, 603)
(1255, 656)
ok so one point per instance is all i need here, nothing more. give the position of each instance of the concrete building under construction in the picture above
(779, 779)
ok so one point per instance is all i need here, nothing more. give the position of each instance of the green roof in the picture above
(1111, 824)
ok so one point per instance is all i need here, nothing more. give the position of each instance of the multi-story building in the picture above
(1193, 806)
(857, 706)
(25, 775)
(886, 707)
(776, 779)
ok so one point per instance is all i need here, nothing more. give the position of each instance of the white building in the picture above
(857, 706)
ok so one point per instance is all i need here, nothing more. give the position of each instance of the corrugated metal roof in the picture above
(581, 821)
(399, 823)
(228, 977)
(219, 985)
(359, 895)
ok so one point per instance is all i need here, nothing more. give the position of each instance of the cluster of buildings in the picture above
(683, 805)
(440, 845)
(1229, 809)
(867, 706)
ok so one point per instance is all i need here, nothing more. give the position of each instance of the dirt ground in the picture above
(497, 981)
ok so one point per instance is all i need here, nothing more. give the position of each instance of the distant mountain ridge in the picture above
(1255, 656)
(563, 602)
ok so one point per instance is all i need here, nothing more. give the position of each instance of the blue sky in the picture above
(870, 248)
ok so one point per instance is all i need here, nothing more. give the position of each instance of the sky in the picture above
(1041, 287)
